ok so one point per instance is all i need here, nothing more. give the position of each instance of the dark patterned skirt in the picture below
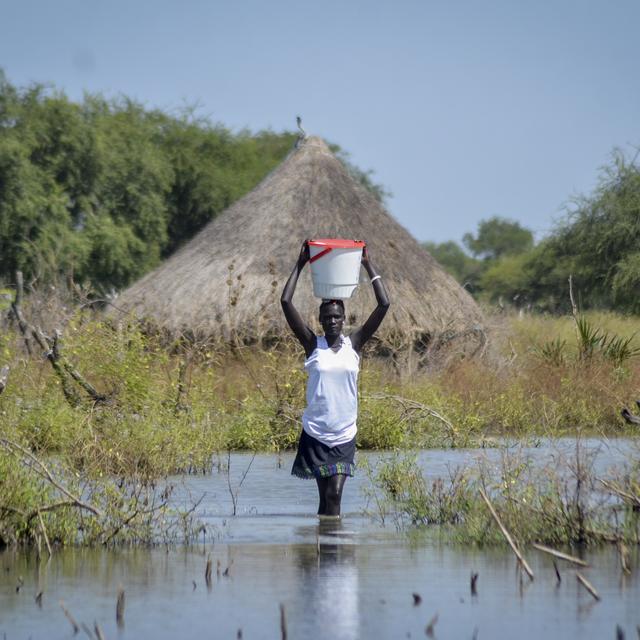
(317, 460)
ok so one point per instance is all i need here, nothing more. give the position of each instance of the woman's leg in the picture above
(331, 494)
(322, 490)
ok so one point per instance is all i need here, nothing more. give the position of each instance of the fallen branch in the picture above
(74, 373)
(44, 533)
(624, 557)
(635, 500)
(51, 353)
(51, 348)
(70, 618)
(283, 623)
(507, 535)
(41, 469)
(559, 554)
(120, 602)
(587, 585)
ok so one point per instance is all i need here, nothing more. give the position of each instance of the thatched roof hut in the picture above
(230, 275)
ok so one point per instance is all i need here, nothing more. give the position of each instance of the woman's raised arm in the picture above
(361, 335)
(301, 330)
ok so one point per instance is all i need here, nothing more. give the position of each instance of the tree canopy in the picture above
(102, 190)
(498, 237)
(597, 243)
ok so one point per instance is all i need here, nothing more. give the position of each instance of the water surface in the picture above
(350, 579)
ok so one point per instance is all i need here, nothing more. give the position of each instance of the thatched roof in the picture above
(231, 274)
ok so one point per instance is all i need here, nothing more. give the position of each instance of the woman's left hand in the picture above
(365, 256)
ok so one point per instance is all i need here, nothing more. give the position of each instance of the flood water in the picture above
(350, 579)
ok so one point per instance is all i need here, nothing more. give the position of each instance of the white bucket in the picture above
(335, 267)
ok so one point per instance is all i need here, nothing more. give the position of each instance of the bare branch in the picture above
(587, 585)
(507, 535)
(630, 497)
(559, 554)
(413, 405)
(44, 472)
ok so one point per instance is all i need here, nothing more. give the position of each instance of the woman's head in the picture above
(332, 317)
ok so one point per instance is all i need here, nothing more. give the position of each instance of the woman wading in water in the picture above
(328, 442)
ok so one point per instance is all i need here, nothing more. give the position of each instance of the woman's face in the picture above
(332, 319)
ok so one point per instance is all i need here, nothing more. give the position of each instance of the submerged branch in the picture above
(42, 470)
(507, 535)
(629, 497)
(559, 554)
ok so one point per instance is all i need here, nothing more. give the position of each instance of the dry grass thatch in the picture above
(229, 277)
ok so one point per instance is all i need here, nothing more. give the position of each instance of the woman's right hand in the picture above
(304, 256)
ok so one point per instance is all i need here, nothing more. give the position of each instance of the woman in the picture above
(328, 442)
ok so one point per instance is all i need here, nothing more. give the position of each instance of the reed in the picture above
(560, 504)
(125, 407)
(120, 604)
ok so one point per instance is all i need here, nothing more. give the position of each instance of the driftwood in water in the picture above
(429, 630)
(120, 603)
(474, 584)
(98, 631)
(507, 535)
(559, 554)
(70, 618)
(630, 498)
(587, 585)
(283, 623)
(207, 572)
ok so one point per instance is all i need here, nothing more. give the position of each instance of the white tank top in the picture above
(332, 393)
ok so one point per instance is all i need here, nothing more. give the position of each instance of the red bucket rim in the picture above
(337, 243)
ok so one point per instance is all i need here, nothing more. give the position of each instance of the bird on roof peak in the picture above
(303, 134)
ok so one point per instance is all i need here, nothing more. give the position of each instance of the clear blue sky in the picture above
(465, 110)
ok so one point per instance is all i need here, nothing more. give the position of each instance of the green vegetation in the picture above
(597, 243)
(564, 504)
(101, 191)
(95, 194)
(104, 189)
(147, 409)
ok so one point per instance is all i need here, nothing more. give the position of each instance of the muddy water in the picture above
(352, 579)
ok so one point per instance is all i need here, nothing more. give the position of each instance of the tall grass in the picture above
(563, 502)
(168, 407)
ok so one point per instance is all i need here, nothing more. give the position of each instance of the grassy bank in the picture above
(115, 406)
(563, 503)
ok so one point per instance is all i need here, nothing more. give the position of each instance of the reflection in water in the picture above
(350, 585)
(351, 588)
(329, 579)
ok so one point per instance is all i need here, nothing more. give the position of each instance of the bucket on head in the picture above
(335, 267)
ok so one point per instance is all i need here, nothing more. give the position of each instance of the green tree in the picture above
(498, 237)
(507, 278)
(597, 244)
(102, 190)
(453, 259)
